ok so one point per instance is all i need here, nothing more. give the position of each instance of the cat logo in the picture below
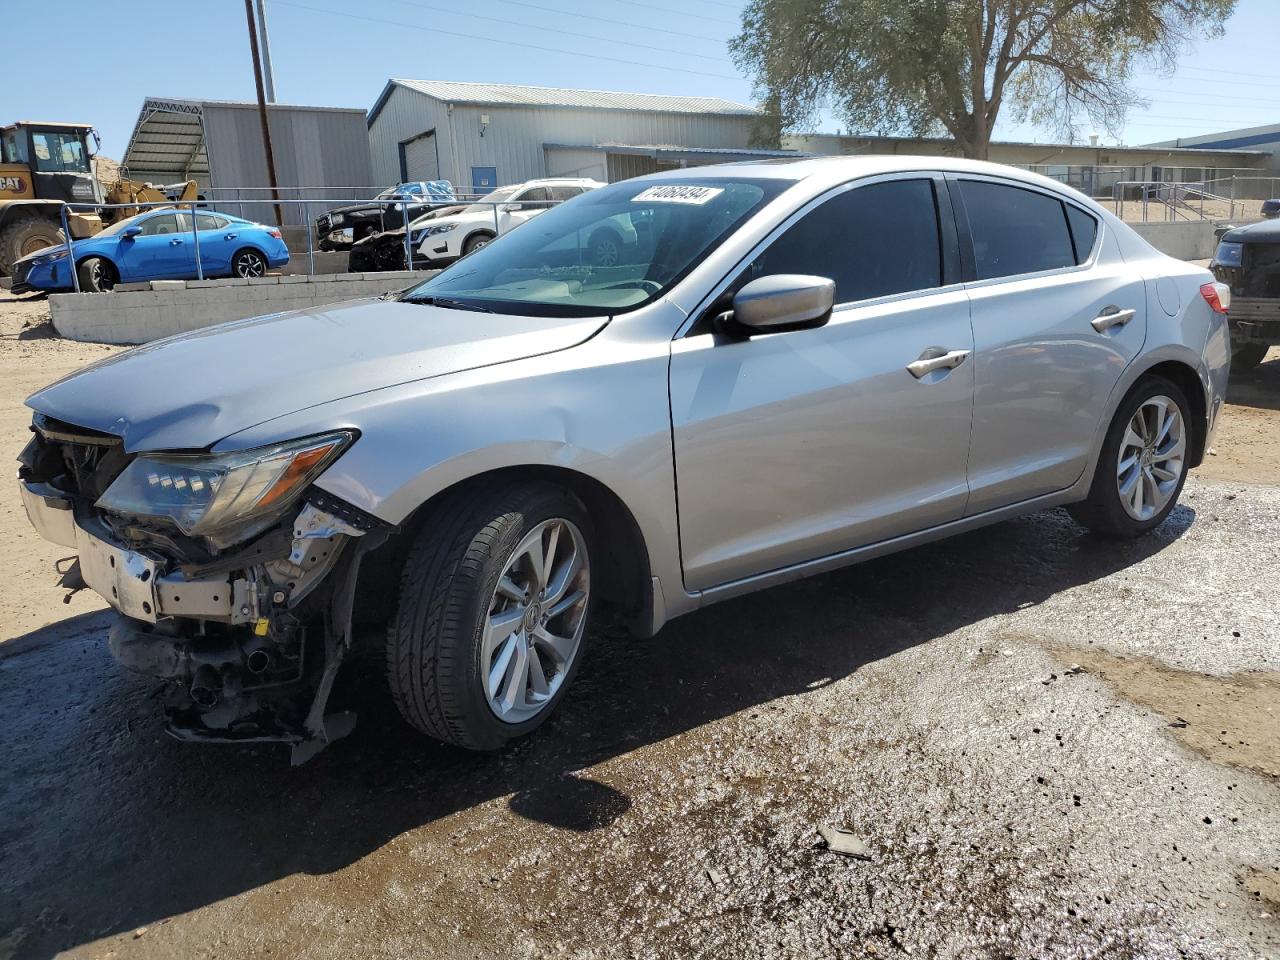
(15, 184)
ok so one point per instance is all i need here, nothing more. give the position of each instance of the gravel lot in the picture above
(1053, 746)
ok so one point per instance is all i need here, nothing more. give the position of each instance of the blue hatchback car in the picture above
(157, 245)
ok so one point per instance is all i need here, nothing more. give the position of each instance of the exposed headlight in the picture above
(442, 228)
(207, 493)
(1229, 254)
(335, 219)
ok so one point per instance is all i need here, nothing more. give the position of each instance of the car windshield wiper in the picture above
(450, 304)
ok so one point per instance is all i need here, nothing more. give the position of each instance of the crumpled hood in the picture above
(192, 390)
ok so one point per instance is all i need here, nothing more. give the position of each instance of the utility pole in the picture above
(268, 74)
(262, 110)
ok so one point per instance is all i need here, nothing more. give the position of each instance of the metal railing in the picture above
(195, 208)
(1226, 198)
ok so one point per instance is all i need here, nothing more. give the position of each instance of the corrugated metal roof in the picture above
(519, 95)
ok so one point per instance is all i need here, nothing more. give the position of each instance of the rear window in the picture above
(1014, 230)
(1084, 230)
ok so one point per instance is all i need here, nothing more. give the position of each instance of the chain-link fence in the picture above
(198, 225)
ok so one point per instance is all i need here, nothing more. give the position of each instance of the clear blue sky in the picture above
(338, 53)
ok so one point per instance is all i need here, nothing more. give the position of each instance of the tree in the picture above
(924, 67)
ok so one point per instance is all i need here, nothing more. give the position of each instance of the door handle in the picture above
(174, 242)
(1113, 317)
(947, 361)
(230, 236)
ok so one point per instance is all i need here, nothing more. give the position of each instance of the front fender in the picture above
(599, 409)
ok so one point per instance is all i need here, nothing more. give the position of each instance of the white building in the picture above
(483, 135)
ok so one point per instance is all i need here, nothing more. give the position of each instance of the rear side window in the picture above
(873, 241)
(1014, 230)
(1084, 230)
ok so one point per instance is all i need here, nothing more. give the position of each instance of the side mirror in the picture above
(784, 301)
(131, 232)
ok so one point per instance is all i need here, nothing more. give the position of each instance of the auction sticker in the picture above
(678, 193)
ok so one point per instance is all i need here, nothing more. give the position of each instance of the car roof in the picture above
(838, 169)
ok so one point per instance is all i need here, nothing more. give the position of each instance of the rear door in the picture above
(1054, 324)
(219, 240)
(797, 445)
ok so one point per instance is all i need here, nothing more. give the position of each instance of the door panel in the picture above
(793, 446)
(1043, 376)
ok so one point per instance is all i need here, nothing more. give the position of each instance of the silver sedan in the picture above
(790, 366)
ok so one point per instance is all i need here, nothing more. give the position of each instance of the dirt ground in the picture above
(1052, 745)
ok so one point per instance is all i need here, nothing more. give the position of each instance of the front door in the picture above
(797, 445)
(162, 250)
(1054, 328)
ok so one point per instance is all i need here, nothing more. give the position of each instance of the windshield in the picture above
(607, 251)
(59, 152)
(120, 226)
(500, 195)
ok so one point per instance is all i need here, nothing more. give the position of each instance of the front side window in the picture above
(165, 223)
(1015, 230)
(59, 153)
(535, 198)
(607, 251)
(873, 241)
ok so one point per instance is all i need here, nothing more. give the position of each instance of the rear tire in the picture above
(1247, 356)
(477, 653)
(1143, 463)
(25, 235)
(248, 264)
(97, 275)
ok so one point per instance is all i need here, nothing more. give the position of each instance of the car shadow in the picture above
(108, 825)
(1259, 387)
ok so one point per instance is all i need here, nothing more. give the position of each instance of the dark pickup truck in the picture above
(1248, 261)
(339, 228)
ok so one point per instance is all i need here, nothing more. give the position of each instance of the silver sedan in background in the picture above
(790, 366)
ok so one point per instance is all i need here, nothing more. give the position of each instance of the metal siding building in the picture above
(319, 152)
(424, 130)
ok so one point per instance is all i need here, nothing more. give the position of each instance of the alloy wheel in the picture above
(536, 618)
(250, 265)
(1151, 458)
(605, 252)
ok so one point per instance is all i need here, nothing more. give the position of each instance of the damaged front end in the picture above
(234, 577)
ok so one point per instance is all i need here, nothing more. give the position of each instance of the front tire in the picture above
(23, 236)
(475, 242)
(495, 599)
(1143, 463)
(97, 275)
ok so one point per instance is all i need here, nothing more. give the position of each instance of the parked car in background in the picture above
(340, 227)
(449, 238)
(1247, 260)
(802, 365)
(157, 245)
(385, 250)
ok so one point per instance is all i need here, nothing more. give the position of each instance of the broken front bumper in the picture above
(249, 644)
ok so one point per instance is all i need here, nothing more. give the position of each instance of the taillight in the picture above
(1217, 296)
(276, 234)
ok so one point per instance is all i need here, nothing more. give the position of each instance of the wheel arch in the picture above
(627, 582)
(478, 232)
(1187, 379)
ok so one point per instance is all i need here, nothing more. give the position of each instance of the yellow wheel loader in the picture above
(46, 165)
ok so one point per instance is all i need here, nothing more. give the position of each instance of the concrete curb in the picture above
(163, 308)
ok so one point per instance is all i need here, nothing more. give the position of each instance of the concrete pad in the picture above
(168, 284)
(130, 287)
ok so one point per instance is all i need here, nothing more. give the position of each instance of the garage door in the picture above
(420, 161)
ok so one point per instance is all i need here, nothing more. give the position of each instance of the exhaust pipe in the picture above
(206, 686)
